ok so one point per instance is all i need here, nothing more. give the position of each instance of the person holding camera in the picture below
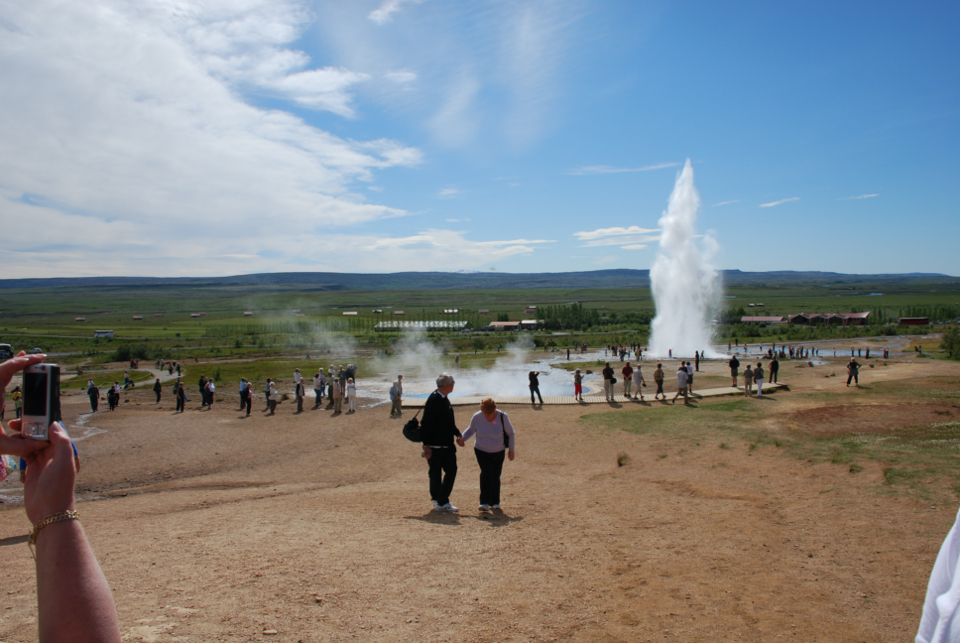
(72, 593)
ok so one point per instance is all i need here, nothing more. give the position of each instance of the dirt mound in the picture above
(839, 419)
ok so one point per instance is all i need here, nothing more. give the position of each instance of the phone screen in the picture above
(35, 394)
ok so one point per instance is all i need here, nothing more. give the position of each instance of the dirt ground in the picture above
(214, 527)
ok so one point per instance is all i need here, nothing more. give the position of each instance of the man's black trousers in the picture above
(443, 473)
(491, 466)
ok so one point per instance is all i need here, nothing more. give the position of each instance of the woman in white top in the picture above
(273, 396)
(351, 396)
(495, 435)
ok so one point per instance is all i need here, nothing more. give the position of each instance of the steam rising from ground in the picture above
(420, 362)
(686, 287)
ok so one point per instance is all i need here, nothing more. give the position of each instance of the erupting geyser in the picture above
(686, 288)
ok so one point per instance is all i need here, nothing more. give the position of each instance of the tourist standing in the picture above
(689, 368)
(266, 393)
(318, 385)
(244, 385)
(351, 395)
(157, 389)
(495, 437)
(273, 397)
(681, 384)
(180, 395)
(395, 400)
(758, 378)
(534, 377)
(734, 369)
(638, 379)
(853, 372)
(248, 393)
(658, 380)
(211, 391)
(337, 394)
(608, 382)
(627, 372)
(747, 380)
(437, 432)
(578, 385)
(774, 369)
(298, 391)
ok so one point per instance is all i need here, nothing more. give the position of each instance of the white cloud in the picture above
(631, 238)
(717, 205)
(449, 193)
(862, 196)
(133, 114)
(384, 13)
(493, 71)
(457, 122)
(781, 201)
(607, 169)
(610, 232)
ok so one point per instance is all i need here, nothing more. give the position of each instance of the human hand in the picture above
(51, 474)
(460, 442)
(510, 454)
(16, 444)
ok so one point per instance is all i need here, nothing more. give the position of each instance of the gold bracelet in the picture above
(49, 520)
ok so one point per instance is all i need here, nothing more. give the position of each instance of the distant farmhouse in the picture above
(502, 325)
(913, 321)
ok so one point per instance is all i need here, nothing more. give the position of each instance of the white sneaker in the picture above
(437, 506)
(484, 507)
(450, 508)
(496, 506)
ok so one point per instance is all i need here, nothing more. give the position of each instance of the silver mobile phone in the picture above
(41, 400)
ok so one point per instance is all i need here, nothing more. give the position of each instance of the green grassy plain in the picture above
(44, 317)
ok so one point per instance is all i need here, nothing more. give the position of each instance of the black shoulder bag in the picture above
(411, 430)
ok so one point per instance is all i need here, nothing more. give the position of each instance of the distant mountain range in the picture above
(334, 281)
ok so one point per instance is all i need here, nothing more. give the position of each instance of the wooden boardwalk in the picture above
(474, 400)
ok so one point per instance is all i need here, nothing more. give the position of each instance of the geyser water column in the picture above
(686, 288)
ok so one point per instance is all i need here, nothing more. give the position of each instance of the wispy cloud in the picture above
(631, 238)
(862, 196)
(717, 205)
(449, 193)
(781, 201)
(610, 232)
(384, 13)
(607, 169)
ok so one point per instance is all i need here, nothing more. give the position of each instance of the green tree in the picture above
(951, 343)
(478, 344)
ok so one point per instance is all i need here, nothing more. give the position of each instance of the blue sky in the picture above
(178, 138)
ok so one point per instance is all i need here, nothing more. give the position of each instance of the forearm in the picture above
(75, 602)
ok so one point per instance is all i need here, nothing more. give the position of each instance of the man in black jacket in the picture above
(437, 432)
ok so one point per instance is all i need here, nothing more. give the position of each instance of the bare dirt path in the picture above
(211, 526)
